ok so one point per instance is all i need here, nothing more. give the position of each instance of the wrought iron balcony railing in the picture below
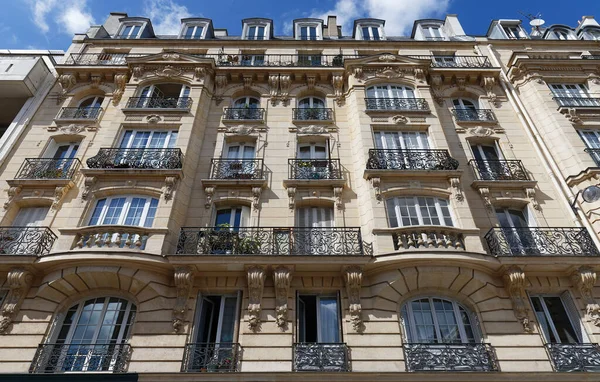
(179, 103)
(590, 56)
(313, 114)
(315, 169)
(236, 168)
(577, 101)
(76, 357)
(380, 159)
(406, 104)
(276, 241)
(79, 113)
(26, 241)
(531, 241)
(244, 113)
(321, 357)
(499, 170)
(48, 168)
(433, 237)
(595, 154)
(211, 357)
(574, 357)
(449, 357)
(460, 62)
(151, 159)
(275, 60)
(474, 115)
(99, 59)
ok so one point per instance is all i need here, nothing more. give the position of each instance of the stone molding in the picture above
(19, 281)
(584, 279)
(514, 280)
(256, 276)
(184, 281)
(282, 279)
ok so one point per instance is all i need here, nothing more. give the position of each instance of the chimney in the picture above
(332, 30)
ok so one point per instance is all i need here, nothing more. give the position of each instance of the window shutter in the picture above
(575, 316)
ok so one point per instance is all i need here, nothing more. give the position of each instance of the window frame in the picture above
(245, 215)
(129, 35)
(318, 31)
(311, 102)
(509, 29)
(381, 141)
(247, 102)
(573, 316)
(390, 89)
(198, 312)
(170, 141)
(318, 296)
(312, 212)
(31, 223)
(427, 29)
(581, 90)
(370, 27)
(194, 26)
(124, 213)
(255, 36)
(418, 213)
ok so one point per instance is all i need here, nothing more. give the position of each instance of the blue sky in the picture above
(50, 24)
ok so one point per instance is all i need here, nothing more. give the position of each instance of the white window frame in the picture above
(382, 143)
(36, 213)
(370, 27)
(97, 100)
(462, 106)
(588, 143)
(567, 90)
(311, 213)
(130, 34)
(242, 147)
(155, 92)
(429, 29)
(194, 27)
(318, 298)
(244, 216)
(170, 141)
(318, 31)
(199, 306)
(311, 102)
(390, 90)
(313, 151)
(247, 103)
(527, 214)
(509, 31)
(124, 210)
(251, 59)
(415, 202)
(257, 26)
(573, 316)
(563, 34)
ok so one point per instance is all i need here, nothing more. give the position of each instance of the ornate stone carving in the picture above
(389, 72)
(337, 80)
(353, 278)
(153, 118)
(184, 281)
(420, 75)
(220, 84)
(256, 191)
(572, 116)
(358, 73)
(273, 87)
(337, 193)
(120, 82)
(400, 120)
(241, 130)
(95, 80)
(138, 71)
(59, 193)
(210, 192)
(285, 81)
(168, 71)
(247, 81)
(488, 83)
(19, 281)
(376, 183)
(256, 282)
(312, 130)
(201, 72)
(170, 56)
(282, 278)
(514, 280)
(12, 194)
(461, 82)
(481, 131)
(455, 184)
(530, 192)
(584, 279)
(170, 184)
(291, 191)
(436, 87)
(387, 58)
(88, 183)
(485, 194)
(71, 129)
(66, 82)
(311, 80)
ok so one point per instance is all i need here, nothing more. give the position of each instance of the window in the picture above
(30, 217)
(562, 34)
(256, 32)
(559, 319)
(130, 31)
(168, 96)
(314, 217)
(90, 107)
(516, 226)
(592, 34)
(309, 59)
(390, 91)
(371, 32)
(513, 32)
(124, 210)
(591, 138)
(573, 95)
(437, 320)
(247, 102)
(311, 103)
(401, 140)
(234, 217)
(92, 335)
(464, 104)
(432, 32)
(490, 163)
(253, 60)
(192, 31)
(318, 319)
(148, 139)
(445, 61)
(418, 210)
(308, 32)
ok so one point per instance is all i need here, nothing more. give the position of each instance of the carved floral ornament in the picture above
(584, 279)
(353, 278)
(256, 283)
(514, 282)
(282, 280)
(184, 281)
(19, 281)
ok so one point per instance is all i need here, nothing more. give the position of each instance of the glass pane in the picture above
(114, 211)
(561, 320)
(151, 213)
(328, 320)
(223, 217)
(423, 321)
(228, 319)
(97, 211)
(542, 319)
(134, 214)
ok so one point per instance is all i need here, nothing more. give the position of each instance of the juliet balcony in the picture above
(574, 357)
(271, 241)
(313, 114)
(81, 357)
(321, 357)
(26, 241)
(138, 159)
(450, 357)
(397, 104)
(243, 114)
(430, 160)
(79, 114)
(47, 170)
(499, 170)
(534, 241)
(211, 357)
(177, 104)
(578, 102)
(475, 116)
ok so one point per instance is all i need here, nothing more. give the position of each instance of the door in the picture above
(390, 97)
(313, 234)
(489, 162)
(240, 163)
(145, 148)
(312, 162)
(466, 110)
(148, 96)
(226, 237)
(63, 159)
(515, 225)
(402, 150)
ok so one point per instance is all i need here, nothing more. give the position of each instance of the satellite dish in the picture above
(536, 23)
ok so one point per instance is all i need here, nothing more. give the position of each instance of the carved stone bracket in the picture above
(273, 82)
(285, 81)
(458, 193)
(530, 192)
(220, 84)
(485, 194)
(488, 83)
(170, 184)
(291, 197)
(120, 82)
(282, 278)
(376, 183)
(353, 278)
(514, 282)
(337, 193)
(19, 281)
(59, 194)
(584, 279)
(572, 116)
(88, 184)
(256, 191)
(184, 281)
(12, 194)
(256, 283)
(436, 87)
(66, 82)
(311, 80)
(337, 80)
(247, 81)
(460, 82)
(210, 192)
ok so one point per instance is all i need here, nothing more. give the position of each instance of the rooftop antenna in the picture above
(535, 21)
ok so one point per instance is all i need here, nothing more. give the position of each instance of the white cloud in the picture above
(166, 15)
(76, 20)
(399, 15)
(68, 16)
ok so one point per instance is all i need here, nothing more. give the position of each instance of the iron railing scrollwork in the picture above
(154, 159)
(236, 168)
(595, 154)
(299, 241)
(313, 114)
(181, 103)
(498, 170)
(79, 113)
(460, 62)
(99, 59)
(65, 357)
(577, 101)
(26, 241)
(321, 357)
(474, 115)
(574, 357)
(407, 104)
(449, 357)
(380, 159)
(211, 357)
(244, 113)
(48, 168)
(533, 241)
(306, 169)
(283, 60)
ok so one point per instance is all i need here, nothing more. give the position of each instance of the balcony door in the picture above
(311, 235)
(559, 319)
(515, 225)
(245, 108)
(30, 217)
(400, 149)
(141, 148)
(390, 91)
(246, 103)
(489, 162)
(240, 162)
(318, 319)
(164, 96)
(311, 103)
(226, 238)
(90, 107)
(312, 161)
(465, 105)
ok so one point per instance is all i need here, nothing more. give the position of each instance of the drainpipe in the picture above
(541, 149)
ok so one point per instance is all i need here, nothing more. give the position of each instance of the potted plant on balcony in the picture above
(338, 60)
(225, 364)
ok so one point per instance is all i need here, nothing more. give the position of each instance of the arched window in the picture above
(89, 107)
(311, 103)
(92, 336)
(437, 320)
(247, 102)
(464, 104)
(245, 108)
(312, 108)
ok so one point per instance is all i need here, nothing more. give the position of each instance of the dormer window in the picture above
(256, 32)
(308, 33)
(193, 32)
(369, 29)
(432, 32)
(308, 29)
(513, 32)
(370, 33)
(559, 33)
(130, 31)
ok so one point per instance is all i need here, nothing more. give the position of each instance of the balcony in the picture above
(499, 170)
(412, 160)
(428, 237)
(76, 357)
(314, 169)
(240, 114)
(99, 59)
(236, 169)
(139, 159)
(577, 102)
(531, 241)
(211, 357)
(474, 115)
(270, 241)
(449, 357)
(112, 237)
(595, 154)
(574, 357)
(278, 60)
(397, 104)
(321, 357)
(165, 104)
(462, 62)
(26, 241)
(79, 114)
(47, 169)
(320, 114)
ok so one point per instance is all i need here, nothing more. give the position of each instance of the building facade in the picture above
(307, 207)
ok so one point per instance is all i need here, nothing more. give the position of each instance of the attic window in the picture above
(194, 31)
(562, 34)
(256, 32)
(130, 31)
(370, 32)
(432, 32)
(513, 31)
